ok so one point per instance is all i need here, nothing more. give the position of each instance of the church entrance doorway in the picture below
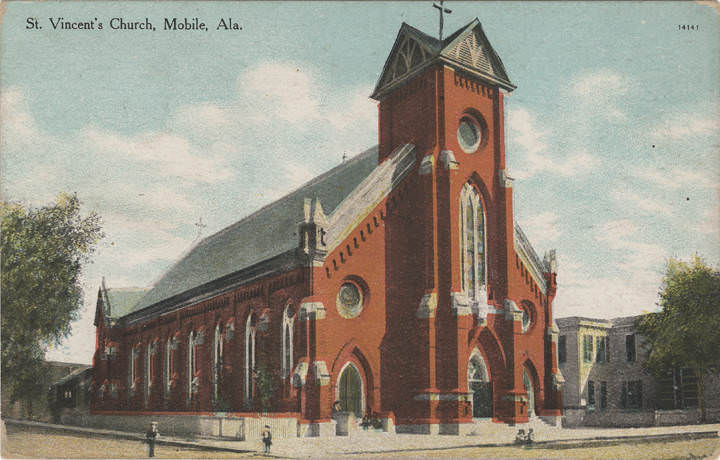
(480, 387)
(350, 390)
(527, 383)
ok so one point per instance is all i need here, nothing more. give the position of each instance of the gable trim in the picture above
(366, 196)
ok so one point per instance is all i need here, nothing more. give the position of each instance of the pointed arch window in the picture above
(249, 358)
(149, 370)
(472, 243)
(193, 380)
(132, 368)
(217, 360)
(169, 364)
(287, 341)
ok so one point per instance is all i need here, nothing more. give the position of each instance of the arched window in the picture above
(193, 379)
(132, 368)
(287, 341)
(168, 367)
(249, 358)
(217, 359)
(148, 372)
(472, 244)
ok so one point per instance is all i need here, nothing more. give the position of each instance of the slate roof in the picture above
(118, 302)
(268, 232)
(467, 49)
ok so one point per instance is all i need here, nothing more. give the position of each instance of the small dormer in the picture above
(313, 231)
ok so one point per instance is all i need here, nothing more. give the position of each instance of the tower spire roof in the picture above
(466, 49)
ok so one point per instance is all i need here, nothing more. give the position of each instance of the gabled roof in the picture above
(467, 49)
(267, 233)
(118, 302)
(366, 196)
(85, 369)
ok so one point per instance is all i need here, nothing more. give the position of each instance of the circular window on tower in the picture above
(470, 134)
(350, 300)
(527, 317)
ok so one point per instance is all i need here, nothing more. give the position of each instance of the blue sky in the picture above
(612, 133)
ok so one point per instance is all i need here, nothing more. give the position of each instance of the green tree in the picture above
(43, 251)
(265, 384)
(686, 331)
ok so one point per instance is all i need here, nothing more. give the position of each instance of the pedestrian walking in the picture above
(267, 439)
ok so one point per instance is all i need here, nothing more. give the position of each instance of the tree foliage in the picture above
(265, 384)
(43, 251)
(686, 331)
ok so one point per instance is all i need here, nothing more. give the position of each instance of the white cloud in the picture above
(543, 227)
(650, 206)
(15, 115)
(685, 126)
(575, 164)
(526, 134)
(594, 85)
(169, 154)
(280, 90)
(710, 223)
(600, 92)
(674, 178)
(203, 118)
(584, 292)
(637, 258)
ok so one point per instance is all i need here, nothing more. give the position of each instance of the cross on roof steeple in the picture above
(199, 224)
(441, 10)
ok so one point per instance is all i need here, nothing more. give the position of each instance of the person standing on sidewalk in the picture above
(267, 439)
(151, 434)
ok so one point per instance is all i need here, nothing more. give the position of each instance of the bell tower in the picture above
(445, 96)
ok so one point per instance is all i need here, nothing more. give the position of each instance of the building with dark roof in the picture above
(395, 286)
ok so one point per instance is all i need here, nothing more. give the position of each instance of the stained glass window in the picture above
(473, 242)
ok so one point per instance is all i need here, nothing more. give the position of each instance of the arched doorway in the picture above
(480, 387)
(528, 384)
(350, 390)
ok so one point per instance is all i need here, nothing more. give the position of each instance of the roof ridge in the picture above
(422, 34)
(450, 38)
(129, 288)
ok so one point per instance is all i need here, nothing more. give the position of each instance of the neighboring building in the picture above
(397, 282)
(605, 383)
(42, 407)
(71, 394)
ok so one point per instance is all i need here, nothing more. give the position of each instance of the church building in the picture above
(396, 284)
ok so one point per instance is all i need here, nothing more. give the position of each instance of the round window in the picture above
(469, 134)
(527, 317)
(349, 300)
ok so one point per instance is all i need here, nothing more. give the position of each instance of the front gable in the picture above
(413, 51)
(472, 49)
(467, 49)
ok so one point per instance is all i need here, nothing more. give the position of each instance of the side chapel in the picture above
(396, 283)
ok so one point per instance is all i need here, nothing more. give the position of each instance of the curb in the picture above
(564, 443)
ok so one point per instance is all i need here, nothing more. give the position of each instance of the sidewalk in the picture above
(368, 443)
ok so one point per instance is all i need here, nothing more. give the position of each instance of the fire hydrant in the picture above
(151, 434)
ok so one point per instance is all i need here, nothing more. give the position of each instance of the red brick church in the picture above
(396, 283)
